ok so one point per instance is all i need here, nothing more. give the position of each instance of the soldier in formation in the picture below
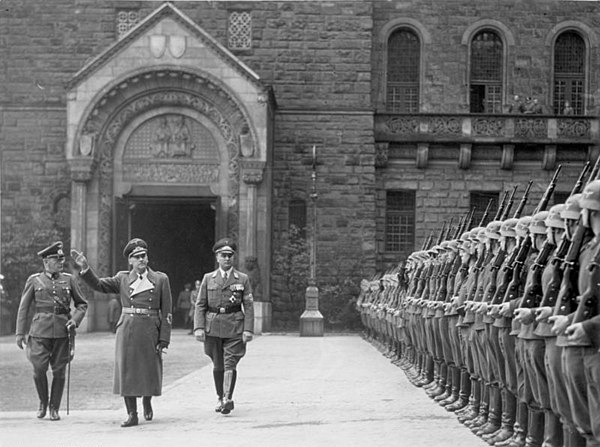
(499, 323)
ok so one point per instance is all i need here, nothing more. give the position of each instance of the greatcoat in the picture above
(138, 365)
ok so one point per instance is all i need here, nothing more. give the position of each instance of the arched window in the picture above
(403, 62)
(486, 73)
(297, 216)
(569, 73)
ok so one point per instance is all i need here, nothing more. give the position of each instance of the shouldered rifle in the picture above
(514, 285)
(441, 235)
(510, 203)
(486, 212)
(501, 206)
(588, 301)
(523, 201)
(553, 286)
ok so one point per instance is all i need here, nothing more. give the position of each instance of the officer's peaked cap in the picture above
(590, 198)
(53, 251)
(135, 246)
(225, 245)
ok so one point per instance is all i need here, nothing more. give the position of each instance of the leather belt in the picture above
(52, 310)
(140, 311)
(225, 309)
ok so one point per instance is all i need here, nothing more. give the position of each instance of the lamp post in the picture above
(311, 320)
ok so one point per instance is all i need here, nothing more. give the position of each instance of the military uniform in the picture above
(44, 312)
(225, 311)
(143, 329)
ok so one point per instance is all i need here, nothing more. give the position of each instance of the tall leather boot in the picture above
(535, 428)
(520, 428)
(572, 438)
(494, 413)
(484, 406)
(441, 384)
(41, 386)
(58, 385)
(463, 393)
(473, 408)
(552, 430)
(218, 376)
(228, 386)
(132, 416)
(509, 409)
(454, 372)
(147, 405)
(448, 387)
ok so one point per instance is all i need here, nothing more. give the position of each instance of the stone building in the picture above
(182, 122)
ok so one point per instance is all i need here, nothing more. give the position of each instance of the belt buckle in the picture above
(138, 310)
(221, 310)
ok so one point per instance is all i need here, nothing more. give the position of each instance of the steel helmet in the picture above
(492, 230)
(538, 223)
(507, 228)
(474, 234)
(522, 227)
(590, 198)
(572, 208)
(554, 219)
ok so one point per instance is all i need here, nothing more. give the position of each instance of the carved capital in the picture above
(549, 160)
(508, 156)
(81, 168)
(252, 171)
(422, 155)
(464, 157)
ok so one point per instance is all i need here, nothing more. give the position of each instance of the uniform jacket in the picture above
(138, 366)
(43, 293)
(216, 293)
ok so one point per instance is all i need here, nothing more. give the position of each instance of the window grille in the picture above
(403, 62)
(569, 72)
(486, 73)
(400, 221)
(297, 216)
(480, 200)
(240, 30)
(126, 19)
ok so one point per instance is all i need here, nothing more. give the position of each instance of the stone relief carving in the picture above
(172, 138)
(171, 173)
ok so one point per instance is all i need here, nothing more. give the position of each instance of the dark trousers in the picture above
(42, 352)
(225, 353)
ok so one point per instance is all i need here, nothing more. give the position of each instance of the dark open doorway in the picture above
(180, 234)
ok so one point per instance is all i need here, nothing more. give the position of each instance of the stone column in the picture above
(81, 174)
(252, 174)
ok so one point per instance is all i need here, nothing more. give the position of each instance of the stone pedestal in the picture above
(262, 317)
(311, 321)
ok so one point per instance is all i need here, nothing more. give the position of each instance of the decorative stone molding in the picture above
(252, 171)
(422, 155)
(464, 156)
(381, 155)
(81, 168)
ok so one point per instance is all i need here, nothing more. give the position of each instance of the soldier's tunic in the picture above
(43, 313)
(145, 320)
(224, 310)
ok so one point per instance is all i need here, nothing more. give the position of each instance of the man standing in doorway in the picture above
(224, 320)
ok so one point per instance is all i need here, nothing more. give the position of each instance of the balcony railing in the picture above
(479, 128)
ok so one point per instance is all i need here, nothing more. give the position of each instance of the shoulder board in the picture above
(35, 275)
(66, 274)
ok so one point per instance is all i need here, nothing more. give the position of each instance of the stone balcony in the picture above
(467, 130)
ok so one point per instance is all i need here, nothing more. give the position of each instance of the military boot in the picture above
(41, 386)
(509, 408)
(58, 385)
(463, 392)
(440, 387)
(455, 374)
(552, 430)
(132, 416)
(218, 376)
(535, 428)
(481, 418)
(571, 437)
(147, 405)
(519, 429)
(475, 402)
(229, 380)
(494, 413)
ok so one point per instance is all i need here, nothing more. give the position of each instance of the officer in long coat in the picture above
(44, 321)
(143, 330)
(224, 320)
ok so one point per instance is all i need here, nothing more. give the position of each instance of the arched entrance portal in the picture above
(168, 137)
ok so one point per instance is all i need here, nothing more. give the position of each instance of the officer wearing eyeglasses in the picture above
(143, 330)
(224, 320)
(47, 297)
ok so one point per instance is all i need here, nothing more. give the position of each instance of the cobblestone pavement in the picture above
(292, 391)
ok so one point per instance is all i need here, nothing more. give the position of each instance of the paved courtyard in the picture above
(336, 390)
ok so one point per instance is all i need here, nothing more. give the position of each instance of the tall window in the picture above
(569, 73)
(486, 73)
(400, 221)
(480, 200)
(403, 61)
